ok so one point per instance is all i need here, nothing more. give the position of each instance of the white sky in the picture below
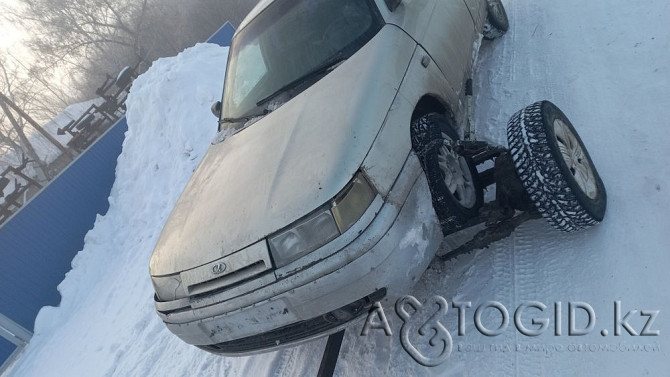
(11, 36)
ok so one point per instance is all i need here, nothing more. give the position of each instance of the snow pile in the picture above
(106, 319)
(106, 324)
(604, 64)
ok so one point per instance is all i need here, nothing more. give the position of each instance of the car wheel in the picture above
(497, 22)
(555, 167)
(453, 180)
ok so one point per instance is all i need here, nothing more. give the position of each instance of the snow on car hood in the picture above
(288, 163)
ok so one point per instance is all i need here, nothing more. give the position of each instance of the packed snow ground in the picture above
(606, 64)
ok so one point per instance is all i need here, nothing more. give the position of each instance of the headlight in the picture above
(308, 235)
(352, 202)
(168, 288)
(322, 226)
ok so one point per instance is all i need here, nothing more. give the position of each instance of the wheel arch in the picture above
(431, 103)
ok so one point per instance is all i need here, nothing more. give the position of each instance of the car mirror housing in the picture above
(216, 109)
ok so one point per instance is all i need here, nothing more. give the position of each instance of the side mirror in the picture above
(393, 4)
(216, 109)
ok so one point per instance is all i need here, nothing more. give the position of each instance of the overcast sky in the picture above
(11, 36)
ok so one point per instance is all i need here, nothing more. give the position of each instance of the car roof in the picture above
(255, 12)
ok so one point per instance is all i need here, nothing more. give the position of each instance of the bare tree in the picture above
(88, 38)
(75, 43)
(77, 29)
(9, 135)
(14, 140)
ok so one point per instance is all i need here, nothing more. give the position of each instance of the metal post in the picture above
(18, 336)
(330, 355)
(14, 332)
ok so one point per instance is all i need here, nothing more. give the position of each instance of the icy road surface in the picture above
(605, 63)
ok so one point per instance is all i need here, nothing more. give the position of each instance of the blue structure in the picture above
(223, 36)
(38, 243)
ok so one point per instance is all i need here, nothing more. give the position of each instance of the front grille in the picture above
(228, 272)
(299, 330)
(227, 281)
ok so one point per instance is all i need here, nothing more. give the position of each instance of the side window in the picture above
(252, 71)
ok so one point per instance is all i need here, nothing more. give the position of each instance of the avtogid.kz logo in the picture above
(416, 321)
(425, 338)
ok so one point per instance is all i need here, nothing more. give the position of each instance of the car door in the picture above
(477, 10)
(449, 40)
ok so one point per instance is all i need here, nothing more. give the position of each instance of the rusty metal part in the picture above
(512, 206)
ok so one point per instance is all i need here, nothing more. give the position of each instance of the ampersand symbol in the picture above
(417, 321)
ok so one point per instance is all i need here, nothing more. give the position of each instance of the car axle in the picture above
(512, 205)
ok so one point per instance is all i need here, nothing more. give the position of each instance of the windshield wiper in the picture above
(327, 66)
(246, 118)
(234, 120)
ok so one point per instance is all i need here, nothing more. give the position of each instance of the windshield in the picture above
(290, 42)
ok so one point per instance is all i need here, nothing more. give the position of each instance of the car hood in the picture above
(287, 164)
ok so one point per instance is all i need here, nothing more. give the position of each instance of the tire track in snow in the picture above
(530, 282)
(515, 261)
(504, 286)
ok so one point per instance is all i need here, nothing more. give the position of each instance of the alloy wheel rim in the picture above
(456, 174)
(575, 158)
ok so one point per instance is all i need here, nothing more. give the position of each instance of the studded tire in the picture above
(497, 22)
(429, 134)
(550, 179)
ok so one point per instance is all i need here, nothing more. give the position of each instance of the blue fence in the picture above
(38, 243)
(223, 36)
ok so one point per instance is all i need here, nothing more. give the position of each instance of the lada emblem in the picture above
(218, 268)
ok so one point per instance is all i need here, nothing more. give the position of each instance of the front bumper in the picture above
(382, 260)
(298, 332)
